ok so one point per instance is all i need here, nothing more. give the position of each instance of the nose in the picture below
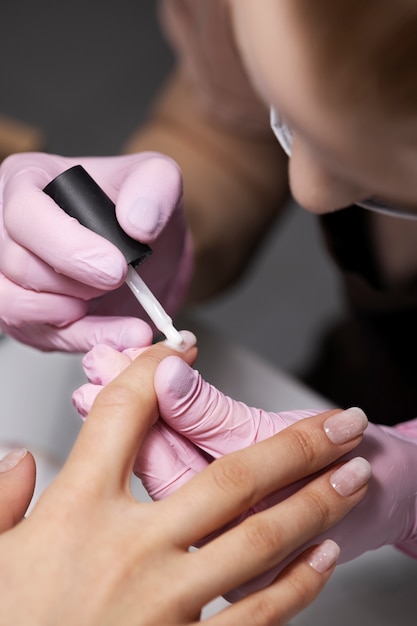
(314, 186)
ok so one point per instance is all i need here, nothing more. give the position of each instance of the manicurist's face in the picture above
(340, 155)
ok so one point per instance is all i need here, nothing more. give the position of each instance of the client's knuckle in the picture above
(303, 588)
(319, 507)
(302, 445)
(116, 395)
(264, 536)
(264, 611)
(232, 475)
(266, 608)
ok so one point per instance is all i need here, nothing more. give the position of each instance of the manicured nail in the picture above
(324, 556)
(346, 425)
(351, 476)
(11, 459)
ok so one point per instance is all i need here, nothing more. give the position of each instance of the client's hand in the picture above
(90, 554)
(196, 418)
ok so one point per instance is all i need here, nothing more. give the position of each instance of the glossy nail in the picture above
(346, 425)
(11, 459)
(351, 476)
(324, 556)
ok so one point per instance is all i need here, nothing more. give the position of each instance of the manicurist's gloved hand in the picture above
(61, 285)
(196, 415)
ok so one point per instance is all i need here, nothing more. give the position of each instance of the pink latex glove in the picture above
(197, 417)
(61, 285)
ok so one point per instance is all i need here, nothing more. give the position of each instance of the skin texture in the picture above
(94, 555)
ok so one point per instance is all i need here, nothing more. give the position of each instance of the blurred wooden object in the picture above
(17, 136)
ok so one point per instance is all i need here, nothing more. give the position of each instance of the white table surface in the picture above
(377, 589)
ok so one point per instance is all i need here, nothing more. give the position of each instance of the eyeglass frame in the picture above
(284, 134)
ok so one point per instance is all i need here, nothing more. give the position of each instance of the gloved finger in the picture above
(83, 398)
(21, 306)
(166, 461)
(152, 213)
(121, 417)
(29, 271)
(207, 417)
(144, 205)
(84, 334)
(103, 363)
(17, 482)
(34, 221)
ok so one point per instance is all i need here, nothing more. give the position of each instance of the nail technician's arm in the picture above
(93, 555)
(61, 285)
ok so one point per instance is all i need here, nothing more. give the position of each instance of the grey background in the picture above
(85, 72)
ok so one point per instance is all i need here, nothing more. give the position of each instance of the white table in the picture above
(377, 589)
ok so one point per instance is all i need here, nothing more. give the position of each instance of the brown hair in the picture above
(367, 48)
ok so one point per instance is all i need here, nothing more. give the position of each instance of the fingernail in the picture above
(144, 215)
(346, 425)
(11, 459)
(188, 341)
(351, 476)
(324, 556)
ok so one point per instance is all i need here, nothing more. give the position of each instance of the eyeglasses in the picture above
(284, 133)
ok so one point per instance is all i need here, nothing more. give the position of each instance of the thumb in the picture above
(214, 422)
(166, 461)
(17, 482)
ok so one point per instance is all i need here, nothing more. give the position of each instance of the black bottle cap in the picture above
(79, 195)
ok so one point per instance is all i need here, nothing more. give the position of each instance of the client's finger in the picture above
(297, 586)
(122, 415)
(236, 482)
(17, 482)
(267, 538)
